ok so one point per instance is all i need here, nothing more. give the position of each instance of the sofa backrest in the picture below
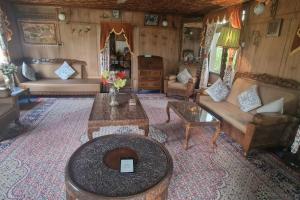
(267, 93)
(47, 70)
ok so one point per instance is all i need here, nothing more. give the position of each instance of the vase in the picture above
(9, 81)
(113, 92)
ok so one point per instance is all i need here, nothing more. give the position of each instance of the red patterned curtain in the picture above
(232, 14)
(117, 28)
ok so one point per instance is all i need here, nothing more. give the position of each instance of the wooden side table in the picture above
(17, 92)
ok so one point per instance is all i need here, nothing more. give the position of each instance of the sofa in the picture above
(256, 130)
(174, 88)
(9, 109)
(48, 83)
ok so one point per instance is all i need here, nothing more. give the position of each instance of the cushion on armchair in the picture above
(184, 76)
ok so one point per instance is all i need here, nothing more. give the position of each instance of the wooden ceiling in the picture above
(182, 7)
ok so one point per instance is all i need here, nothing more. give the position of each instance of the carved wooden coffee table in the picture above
(103, 114)
(193, 116)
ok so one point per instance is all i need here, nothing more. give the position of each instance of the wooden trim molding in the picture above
(269, 79)
(53, 61)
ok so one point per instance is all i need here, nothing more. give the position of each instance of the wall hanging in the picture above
(39, 32)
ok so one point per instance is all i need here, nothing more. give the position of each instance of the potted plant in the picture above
(116, 80)
(8, 71)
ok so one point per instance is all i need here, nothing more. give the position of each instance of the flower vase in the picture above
(9, 81)
(113, 96)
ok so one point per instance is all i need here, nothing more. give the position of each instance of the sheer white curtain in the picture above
(5, 36)
(104, 59)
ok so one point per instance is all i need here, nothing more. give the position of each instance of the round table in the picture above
(92, 172)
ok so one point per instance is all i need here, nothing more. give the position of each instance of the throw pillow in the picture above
(28, 72)
(65, 71)
(272, 107)
(218, 91)
(184, 76)
(249, 99)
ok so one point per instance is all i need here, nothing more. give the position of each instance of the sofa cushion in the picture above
(47, 70)
(65, 71)
(249, 99)
(228, 112)
(218, 91)
(273, 107)
(184, 76)
(267, 94)
(28, 72)
(58, 85)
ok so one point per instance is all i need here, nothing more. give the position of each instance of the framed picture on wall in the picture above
(36, 32)
(151, 20)
(274, 27)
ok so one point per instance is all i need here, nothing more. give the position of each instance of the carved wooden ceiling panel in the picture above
(182, 7)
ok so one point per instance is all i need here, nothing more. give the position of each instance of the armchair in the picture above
(175, 88)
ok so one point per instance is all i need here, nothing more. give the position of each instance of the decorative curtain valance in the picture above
(232, 14)
(117, 28)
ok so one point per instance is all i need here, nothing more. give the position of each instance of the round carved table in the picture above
(93, 173)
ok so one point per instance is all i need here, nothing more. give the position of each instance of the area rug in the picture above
(32, 164)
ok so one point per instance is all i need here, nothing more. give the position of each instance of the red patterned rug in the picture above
(32, 164)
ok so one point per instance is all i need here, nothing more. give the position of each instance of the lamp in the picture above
(229, 39)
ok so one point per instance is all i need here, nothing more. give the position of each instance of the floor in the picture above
(32, 162)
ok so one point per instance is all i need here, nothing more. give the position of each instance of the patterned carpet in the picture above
(32, 164)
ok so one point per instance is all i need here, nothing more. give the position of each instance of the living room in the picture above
(165, 99)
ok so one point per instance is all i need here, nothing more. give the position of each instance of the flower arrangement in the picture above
(115, 78)
(8, 69)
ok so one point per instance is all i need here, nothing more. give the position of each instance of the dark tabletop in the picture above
(88, 172)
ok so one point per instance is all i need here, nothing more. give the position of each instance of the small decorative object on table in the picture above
(117, 80)
(8, 71)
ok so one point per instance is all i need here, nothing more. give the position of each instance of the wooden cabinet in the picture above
(150, 73)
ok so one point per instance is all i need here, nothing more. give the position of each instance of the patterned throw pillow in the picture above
(272, 107)
(28, 72)
(249, 99)
(184, 76)
(65, 71)
(218, 91)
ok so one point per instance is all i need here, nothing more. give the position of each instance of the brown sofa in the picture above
(49, 83)
(9, 109)
(174, 88)
(253, 130)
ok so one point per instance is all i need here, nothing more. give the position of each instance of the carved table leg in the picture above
(146, 129)
(216, 135)
(187, 136)
(168, 113)
(90, 133)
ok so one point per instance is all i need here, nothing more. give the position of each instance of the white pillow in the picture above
(218, 91)
(28, 72)
(249, 99)
(65, 71)
(274, 107)
(184, 76)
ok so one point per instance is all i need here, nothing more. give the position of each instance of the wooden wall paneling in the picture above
(81, 44)
(271, 56)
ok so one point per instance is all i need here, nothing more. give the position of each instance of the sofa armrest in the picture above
(171, 77)
(268, 119)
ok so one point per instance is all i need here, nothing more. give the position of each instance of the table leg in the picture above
(187, 136)
(216, 135)
(146, 129)
(168, 113)
(28, 96)
(90, 133)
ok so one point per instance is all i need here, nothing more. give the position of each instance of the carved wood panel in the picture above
(187, 7)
